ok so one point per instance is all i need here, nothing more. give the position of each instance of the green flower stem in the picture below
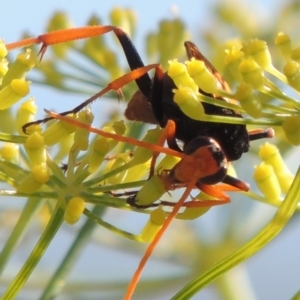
(58, 280)
(81, 177)
(268, 84)
(64, 88)
(8, 179)
(85, 78)
(283, 215)
(39, 194)
(35, 256)
(28, 212)
(242, 121)
(272, 70)
(274, 202)
(82, 169)
(272, 116)
(279, 109)
(102, 200)
(57, 171)
(116, 171)
(10, 138)
(112, 228)
(12, 173)
(91, 78)
(296, 296)
(114, 187)
(221, 103)
(109, 201)
(72, 163)
(228, 289)
(278, 94)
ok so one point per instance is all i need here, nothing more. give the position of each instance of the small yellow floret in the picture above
(244, 94)
(179, 74)
(41, 173)
(267, 182)
(12, 93)
(202, 76)
(188, 102)
(74, 210)
(157, 218)
(291, 127)
(252, 73)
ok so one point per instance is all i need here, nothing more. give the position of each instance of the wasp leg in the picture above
(257, 134)
(157, 238)
(114, 85)
(167, 134)
(239, 185)
(61, 36)
(131, 201)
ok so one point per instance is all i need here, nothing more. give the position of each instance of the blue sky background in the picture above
(270, 270)
(32, 15)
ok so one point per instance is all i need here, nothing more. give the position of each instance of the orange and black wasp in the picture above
(153, 103)
(206, 147)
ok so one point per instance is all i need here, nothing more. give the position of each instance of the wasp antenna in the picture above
(114, 85)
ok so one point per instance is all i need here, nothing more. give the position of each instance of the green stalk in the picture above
(28, 212)
(58, 280)
(35, 256)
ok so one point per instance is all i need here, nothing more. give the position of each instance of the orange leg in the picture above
(214, 191)
(60, 36)
(135, 62)
(168, 131)
(114, 85)
(207, 189)
(64, 35)
(157, 238)
(120, 138)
